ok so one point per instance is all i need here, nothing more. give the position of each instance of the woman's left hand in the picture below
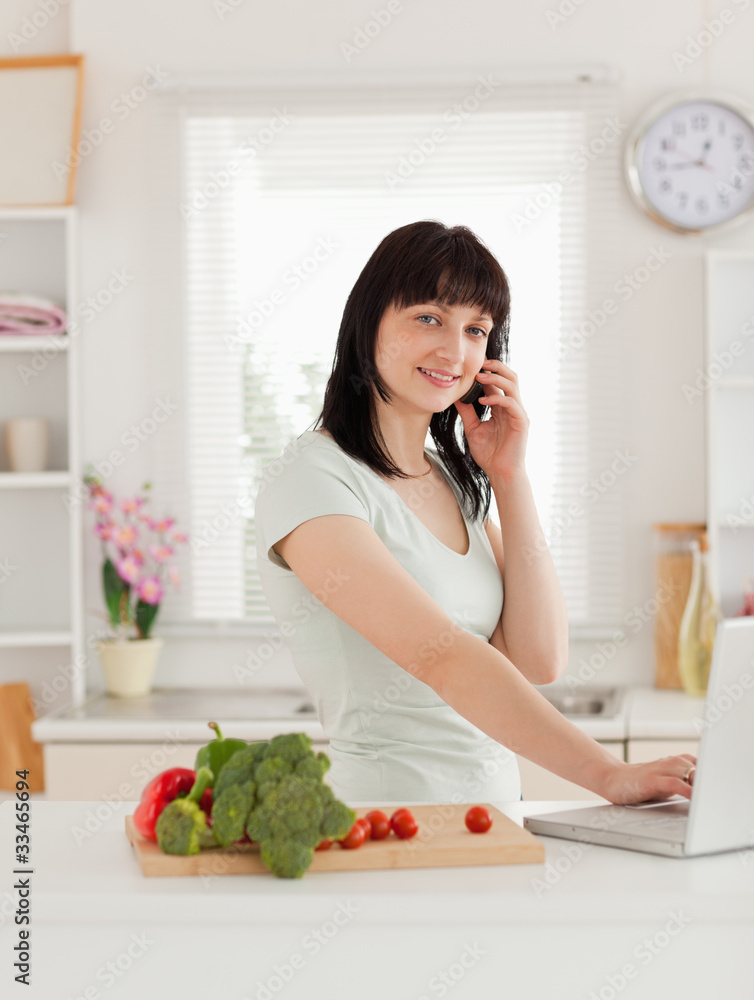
(497, 444)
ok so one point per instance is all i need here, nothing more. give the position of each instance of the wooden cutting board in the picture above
(442, 842)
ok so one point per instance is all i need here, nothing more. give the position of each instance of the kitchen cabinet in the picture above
(41, 597)
(539, 783)
(727, 384)
(116, 771)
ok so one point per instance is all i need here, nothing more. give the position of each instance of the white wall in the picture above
(122, 41)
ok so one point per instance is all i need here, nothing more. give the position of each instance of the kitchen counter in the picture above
(589, 921)
(647, 713)
(134, 738)
(664, 715)
(242, 713)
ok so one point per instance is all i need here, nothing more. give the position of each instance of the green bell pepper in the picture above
(216, 754)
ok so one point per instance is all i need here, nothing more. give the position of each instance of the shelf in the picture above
(17, 640)
(33, 480)
(21, 344)
(735, 383)
(31, 213)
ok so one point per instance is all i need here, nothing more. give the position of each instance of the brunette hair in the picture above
(422, 262)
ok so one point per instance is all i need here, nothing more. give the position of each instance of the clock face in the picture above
(696, 164)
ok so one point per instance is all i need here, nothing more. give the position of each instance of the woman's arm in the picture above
(533, 628)
(378, 598)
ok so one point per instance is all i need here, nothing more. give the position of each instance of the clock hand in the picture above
(692, 162)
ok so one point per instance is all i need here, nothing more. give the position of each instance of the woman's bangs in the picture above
(461, 282)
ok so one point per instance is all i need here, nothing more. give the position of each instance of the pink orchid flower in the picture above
(130, 506)
(125, 536)
(102, 503)
(138, 555)
(165, 525)
(150, 590)
(174, 576)
(104, 530)
(128, 569)
(180, 536)
(160, 553)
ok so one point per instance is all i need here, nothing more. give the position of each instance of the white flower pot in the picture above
(27, 441)
(129, 665)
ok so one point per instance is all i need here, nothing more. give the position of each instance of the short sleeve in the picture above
(306, 481)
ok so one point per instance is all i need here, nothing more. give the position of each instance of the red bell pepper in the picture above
(161, 790)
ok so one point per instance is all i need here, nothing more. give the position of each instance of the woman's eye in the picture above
(426, 316)
(479, 330)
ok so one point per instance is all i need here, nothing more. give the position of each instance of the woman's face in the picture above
(429, 337)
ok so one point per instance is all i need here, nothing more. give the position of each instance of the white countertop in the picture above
(647, 713)
(664, 715)
(558, 929)
(242, 713)
(91, 876)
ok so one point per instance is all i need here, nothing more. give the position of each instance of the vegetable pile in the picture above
(270, 792)
(274, 793)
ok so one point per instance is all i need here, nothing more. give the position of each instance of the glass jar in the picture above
(696, 638)
(673, 565)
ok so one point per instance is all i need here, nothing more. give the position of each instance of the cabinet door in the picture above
(539, 783)
(642, 751)
(88, 772)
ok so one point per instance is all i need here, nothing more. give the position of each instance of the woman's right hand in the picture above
(626, 784)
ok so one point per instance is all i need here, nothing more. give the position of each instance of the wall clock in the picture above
(689, 162)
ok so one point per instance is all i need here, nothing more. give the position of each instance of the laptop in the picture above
(719, 816)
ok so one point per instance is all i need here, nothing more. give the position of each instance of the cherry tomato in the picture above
(324, 845)
(363, 821)
(478, 819)
(403, 824)
(354, 838)
(380, 824)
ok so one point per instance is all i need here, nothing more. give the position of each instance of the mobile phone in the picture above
(474, 392)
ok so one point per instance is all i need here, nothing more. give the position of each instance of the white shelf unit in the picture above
(41, 514)
(729, 423)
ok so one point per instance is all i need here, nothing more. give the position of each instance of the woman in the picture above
(385, 574)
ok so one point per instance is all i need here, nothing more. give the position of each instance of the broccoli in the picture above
(181, 823)
(290, 747)
(291, 821)
(231, 812)
(337, 820)
(276, 793)
(313, 767)
(286, 859)
(240, 768)
(293, 808)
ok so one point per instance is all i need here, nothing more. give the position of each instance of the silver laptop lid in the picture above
(721, 813)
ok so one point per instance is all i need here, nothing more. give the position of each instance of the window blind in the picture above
(268, 202)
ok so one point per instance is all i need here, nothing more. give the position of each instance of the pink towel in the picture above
(29, 314)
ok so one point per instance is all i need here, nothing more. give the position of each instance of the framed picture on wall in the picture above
(40, 123)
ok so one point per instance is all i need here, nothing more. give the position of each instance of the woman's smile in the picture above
(438, 376)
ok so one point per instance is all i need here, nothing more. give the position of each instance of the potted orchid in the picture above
(138, 555)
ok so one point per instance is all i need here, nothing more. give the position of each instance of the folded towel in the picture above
(22, 314)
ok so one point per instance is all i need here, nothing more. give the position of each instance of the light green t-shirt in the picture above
(391, 736)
